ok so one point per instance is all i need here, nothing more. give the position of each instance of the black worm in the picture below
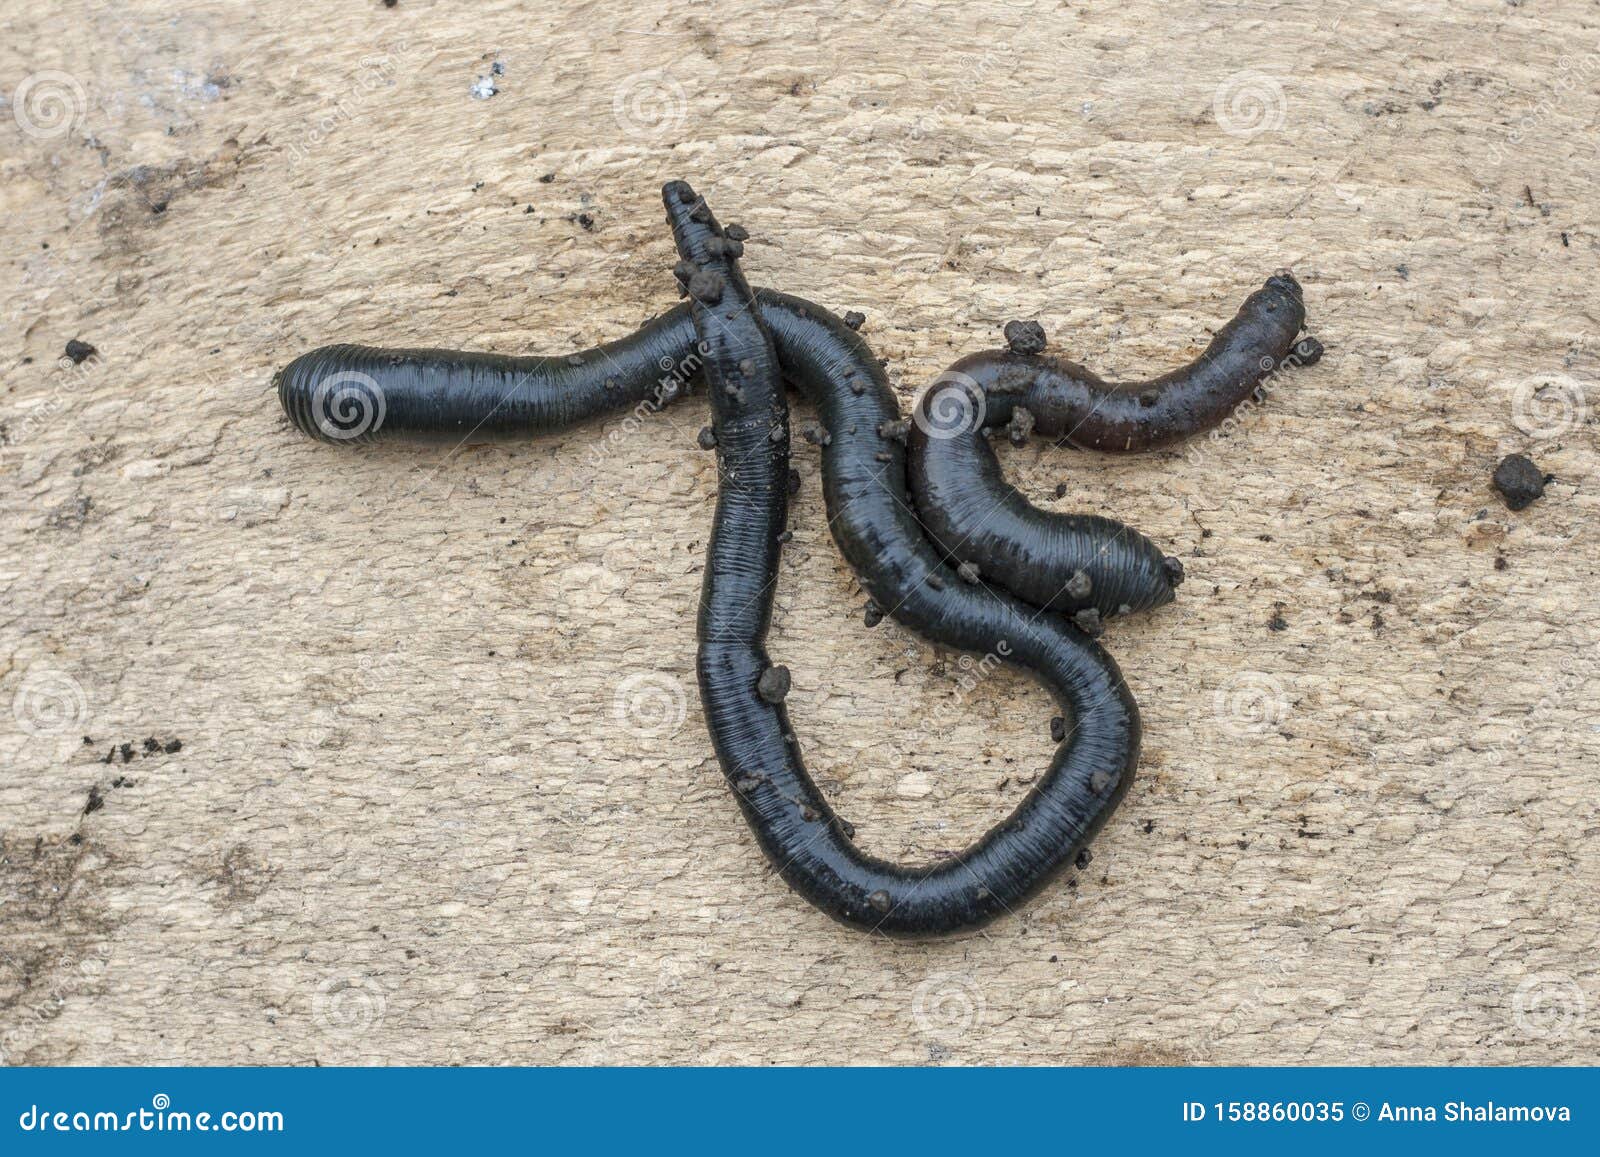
(1079, 562)
(864, 471)
(362, 394)
(863, 465)
(1069, 562)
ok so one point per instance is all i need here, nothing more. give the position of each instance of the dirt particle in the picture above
(1020, 426)
(1025, 337)
(95, 802)
(1058, 729)
(854, 319)
(706, 286)
(80, 351)
(1519, 481)
(773, 686)
(879, 900)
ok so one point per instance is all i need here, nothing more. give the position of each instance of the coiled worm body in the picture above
(803, 837)
(428, 393)
(1073, 562)
(738, 341)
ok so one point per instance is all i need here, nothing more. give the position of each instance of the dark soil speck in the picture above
(1519, 481)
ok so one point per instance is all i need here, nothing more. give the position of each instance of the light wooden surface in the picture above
(444, 792)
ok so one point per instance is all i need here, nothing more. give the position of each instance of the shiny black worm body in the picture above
(1077, 562)
(801, 834)
(360, 394)
(1067, 562)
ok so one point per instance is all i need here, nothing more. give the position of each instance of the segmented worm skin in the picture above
(1070, 562)
(863, 465)
(361, 394)
(802, 835)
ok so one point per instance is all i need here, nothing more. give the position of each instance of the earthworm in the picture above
(1070, 562)
(1076, 562)
(362, 394)
(804, 838)
(428, 393)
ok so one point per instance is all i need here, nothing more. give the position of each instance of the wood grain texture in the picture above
(444, 792)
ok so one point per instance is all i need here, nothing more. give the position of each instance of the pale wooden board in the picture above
(407, 823)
